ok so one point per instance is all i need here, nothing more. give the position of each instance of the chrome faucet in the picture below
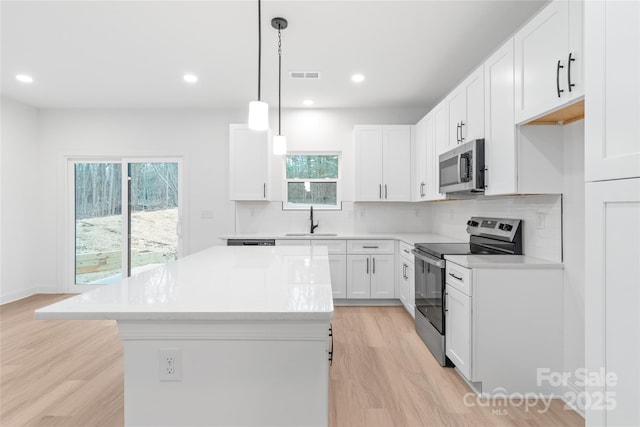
(313, 226)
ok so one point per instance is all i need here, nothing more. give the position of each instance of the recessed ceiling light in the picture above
(308, 102)
(357, 78)
(190, 78)
(24, 78)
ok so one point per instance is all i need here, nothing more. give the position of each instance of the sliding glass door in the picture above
(126, 217)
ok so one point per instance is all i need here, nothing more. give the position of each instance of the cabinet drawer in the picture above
(370, 247)
(335, 247)
(459, 278)
(404, 249)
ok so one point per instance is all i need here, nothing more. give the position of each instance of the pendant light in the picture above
(259, 110)
(279, 141)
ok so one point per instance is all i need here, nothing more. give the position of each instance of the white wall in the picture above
(574, 244)
(21, 209)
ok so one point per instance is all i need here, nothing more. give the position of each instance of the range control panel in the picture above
(497, 228)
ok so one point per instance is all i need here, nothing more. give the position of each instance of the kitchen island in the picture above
(226, 336)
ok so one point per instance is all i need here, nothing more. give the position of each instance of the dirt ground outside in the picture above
(151, 232)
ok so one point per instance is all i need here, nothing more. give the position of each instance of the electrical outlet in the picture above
(170, 364)
(540, 220)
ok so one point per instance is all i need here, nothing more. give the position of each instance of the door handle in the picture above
(558, 79)
(461, 137)
(380, 191)
(422, 189)
(458, 133)
(454, 276)
(385, 191)
(373, 270)
(367, 265)
(264, 190)
(569, 71)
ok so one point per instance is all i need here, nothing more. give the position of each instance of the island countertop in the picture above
(219, 283)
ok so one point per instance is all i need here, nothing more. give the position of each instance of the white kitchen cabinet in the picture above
(495, 334)
(421, 180)
(406, 278)
(370, 269)
(458, 321)
(383, 162)
(518, 159)
(249, 170)
(370, 276)
(612, 44)
(465, 106)
(549, 60)
(612, 299)
(500, 131)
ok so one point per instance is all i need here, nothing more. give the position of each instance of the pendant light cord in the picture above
(279, 80)
(259, 45)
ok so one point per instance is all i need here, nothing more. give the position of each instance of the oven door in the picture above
(429, 284)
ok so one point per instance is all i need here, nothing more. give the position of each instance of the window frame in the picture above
(303, 207)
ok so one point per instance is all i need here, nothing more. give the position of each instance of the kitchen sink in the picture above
(311, 235)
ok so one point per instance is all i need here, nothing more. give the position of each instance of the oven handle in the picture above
(438, 263)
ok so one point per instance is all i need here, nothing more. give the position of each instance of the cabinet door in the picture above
(421, 158)
(456, 107)
(248, 163)
(612, 297)
(358, 276)
(458, 324)
(338, 267)
(612, 130)
(500, 131)
(472, 126)
(411, 290)
(539, 46)
(382, 276)
(438, 146)
(396, 156)
(368, 162)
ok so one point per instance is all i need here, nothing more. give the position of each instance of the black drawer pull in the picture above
(454, 276)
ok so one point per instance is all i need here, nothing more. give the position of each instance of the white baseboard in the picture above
(15, 296)
(571, 388)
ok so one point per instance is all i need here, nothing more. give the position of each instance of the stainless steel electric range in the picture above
(488, 236)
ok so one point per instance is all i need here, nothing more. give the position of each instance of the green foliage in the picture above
(312, 167)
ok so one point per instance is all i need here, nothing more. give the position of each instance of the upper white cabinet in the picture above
(465, 106)
(500, 132)
(420, 156)
(549, 60)
(248, 163)
(612, 43)
(383, 162)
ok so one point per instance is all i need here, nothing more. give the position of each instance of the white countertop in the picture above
(409, 238)
(219, 283)
(502, 261)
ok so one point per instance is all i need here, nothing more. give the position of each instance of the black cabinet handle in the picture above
(332, 346)
(385, 191)
(422, 189)
(458, 128)
(569, 71)
(367, 265)
(558, 78)
(454, 276)
(380, 191)
(264, 190)
(373, 269)
(461, 137)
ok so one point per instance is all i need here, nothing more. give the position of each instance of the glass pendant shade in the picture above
(258, 115)
(279, 145)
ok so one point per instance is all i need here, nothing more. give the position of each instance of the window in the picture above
(312, 179)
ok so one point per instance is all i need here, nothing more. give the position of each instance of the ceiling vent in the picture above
(309, 75)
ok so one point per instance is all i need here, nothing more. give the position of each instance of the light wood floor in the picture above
(70, 373)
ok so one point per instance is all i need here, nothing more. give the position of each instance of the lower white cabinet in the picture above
(495, 331)
(370, 276)
(458, 323)
(612, 301)
(406, 278)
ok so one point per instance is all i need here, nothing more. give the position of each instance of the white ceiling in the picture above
(131, 54)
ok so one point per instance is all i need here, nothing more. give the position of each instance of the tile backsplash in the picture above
(542, 215)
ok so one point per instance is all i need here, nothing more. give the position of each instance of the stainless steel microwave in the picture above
(462, 169)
